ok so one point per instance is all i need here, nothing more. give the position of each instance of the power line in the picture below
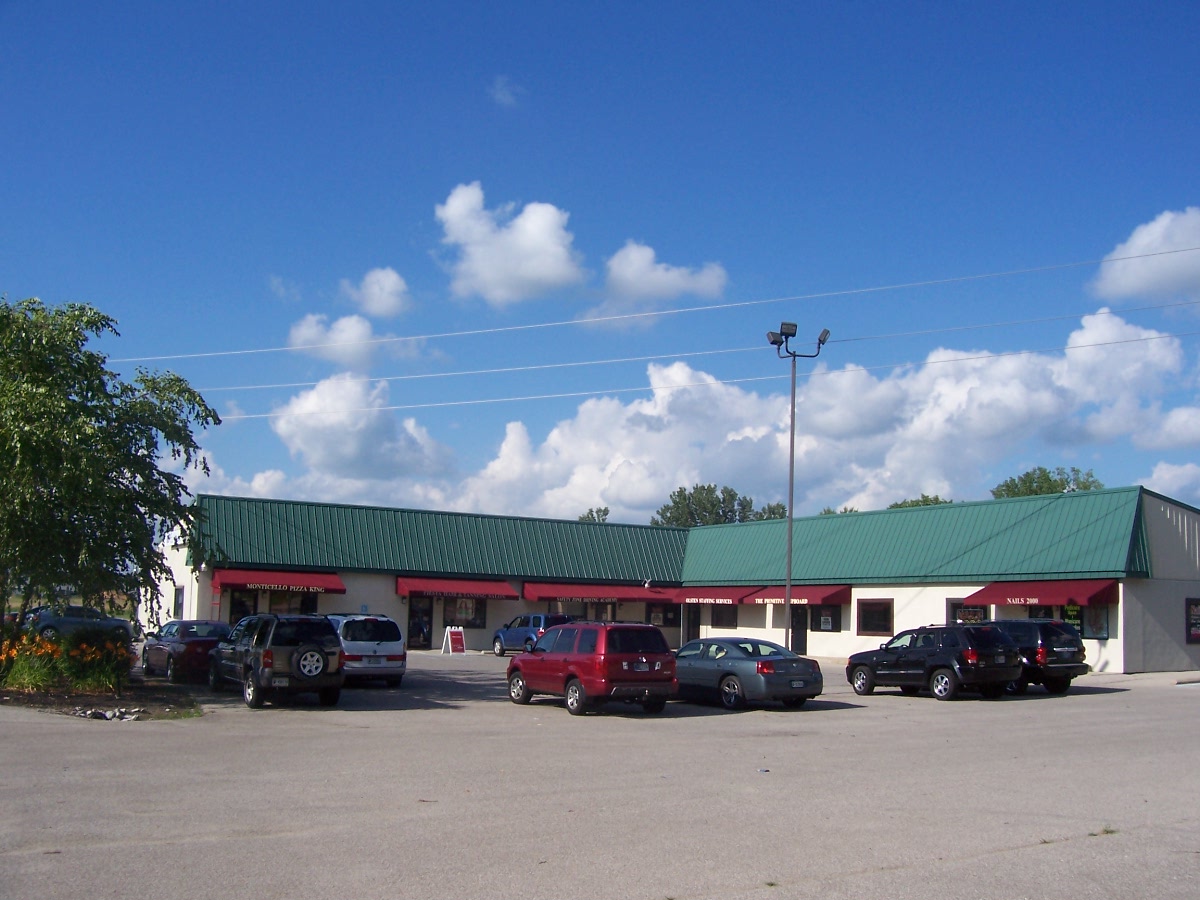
(663, 312)
(709, 383)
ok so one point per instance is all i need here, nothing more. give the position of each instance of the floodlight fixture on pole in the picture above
(779, 340)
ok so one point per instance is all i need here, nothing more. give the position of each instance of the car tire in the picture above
(308, 661)
(50, 633)
(733, 696)
(251, 692)
(215, 681)
(498, 647)
(394, 682)
(943, 684)
(1017, 687)
(173, 674)
(993, 691)
(862, 679)
(329, 696)
(794, 702)
(909, 690)
(518, 690)
(654, 706)
(146, 667)
(1057, 685)
(576, 698)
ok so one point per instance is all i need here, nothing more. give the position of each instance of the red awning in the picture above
(456, 587)
(802, 594)
(1046, 593)
(542, 590)
(257, 580)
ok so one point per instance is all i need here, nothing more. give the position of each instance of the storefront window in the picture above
(242, 604)
(960, 612)
(664, 615)
(465, 612)
(826, 617)
(875, 617)
(725, 616)
(1095, 622)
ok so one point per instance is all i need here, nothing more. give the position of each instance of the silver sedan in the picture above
(738, 670)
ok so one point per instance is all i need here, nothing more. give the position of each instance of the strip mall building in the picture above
(1123, 565)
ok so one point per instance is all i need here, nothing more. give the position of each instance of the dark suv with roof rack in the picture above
(591, 663)
(1051, 650)
(270, 655)
(942, 658)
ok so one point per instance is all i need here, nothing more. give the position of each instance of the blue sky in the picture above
(522, 258)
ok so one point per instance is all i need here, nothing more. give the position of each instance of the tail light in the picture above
(399, 657)
(1041, 656)
(765, 667)
(268, 659)
(351, 657)
(971, 656)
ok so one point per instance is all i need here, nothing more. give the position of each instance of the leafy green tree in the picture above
(830, 511)
(923, 500)
(595, 514)
(1040, 480)
(704, 504)
(84, 504)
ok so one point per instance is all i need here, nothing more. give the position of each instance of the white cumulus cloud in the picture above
(381, 293)
(503, 258)
(1175, 274)
(347, 341)
(634, 272)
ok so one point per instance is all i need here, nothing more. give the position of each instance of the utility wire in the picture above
(709, 383)
(663, 312)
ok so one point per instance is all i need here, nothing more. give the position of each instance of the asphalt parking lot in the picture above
(444, 789)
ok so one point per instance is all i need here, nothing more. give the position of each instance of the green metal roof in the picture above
(284, 534)
(1086, 534)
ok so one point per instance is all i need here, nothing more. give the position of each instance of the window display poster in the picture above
(1193, 620)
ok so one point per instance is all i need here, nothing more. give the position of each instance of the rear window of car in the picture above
(636, 640)
(295, 633)
(371, 630)
(988, 637)
(1060, 631)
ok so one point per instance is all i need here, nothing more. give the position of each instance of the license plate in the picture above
(641, 667)
(279, 682)
(1000, 658)
(797, 682)
(372, 660)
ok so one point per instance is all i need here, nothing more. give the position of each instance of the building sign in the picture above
(723, 601)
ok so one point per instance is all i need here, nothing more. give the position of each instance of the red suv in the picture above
(589, 663)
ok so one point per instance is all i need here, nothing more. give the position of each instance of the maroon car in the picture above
(181, 648)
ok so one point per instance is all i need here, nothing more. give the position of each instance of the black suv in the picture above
(942, 658)
(1051, 650)
(284, 654)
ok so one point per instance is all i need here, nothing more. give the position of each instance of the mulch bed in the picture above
(154, 699)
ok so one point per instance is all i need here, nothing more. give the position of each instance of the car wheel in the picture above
(910, 690)
(394, 682)
(1057, 685)
(732, 694)
(944, 684)
(215, 681)
(518, 690)
(173, 671)
(308, 661)
(50, 633)
(251, 692)
(498, 647)
(654, 706)
(862, 680)
(992, 691)
(794, 702)
(146, 668)
(329, 696)
(577, 701)
(1017, 687)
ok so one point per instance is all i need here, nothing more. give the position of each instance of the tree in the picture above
(595, 514)
(830, 511)
(705, 505)
(923, 500)
(84, 505)
(1041, 480)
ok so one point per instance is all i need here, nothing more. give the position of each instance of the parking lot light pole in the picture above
(779, 340)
